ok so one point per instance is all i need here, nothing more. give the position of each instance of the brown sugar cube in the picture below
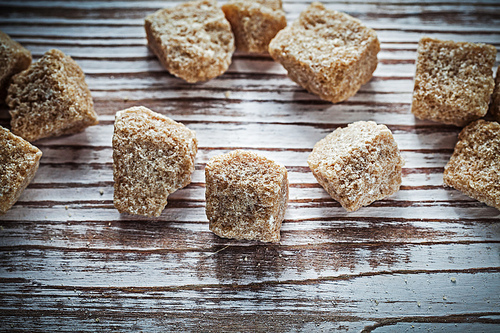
(357, 165)
(254, 23)
(192, 40)
(495, 98)
(246, 196)
(50, 98)
(18, 164)
(329, 53)
(13, 59)
(453, 81)
(474, 167)
(153, 156)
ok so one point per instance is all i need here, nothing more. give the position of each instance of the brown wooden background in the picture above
(427, 258)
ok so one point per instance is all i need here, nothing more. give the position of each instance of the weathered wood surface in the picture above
(426, 258)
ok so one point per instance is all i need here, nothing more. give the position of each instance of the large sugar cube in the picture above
(329, 53)
(474, 167)
(50, 98)
(192, 40)
(246, 196)
(357, 165)
(453, 81)
(13, 59)
(153, 156)
(19, 161)
(254, 23)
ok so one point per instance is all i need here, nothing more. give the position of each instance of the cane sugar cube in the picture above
(329, 53)
(50, 98)
(13, 59)
(495, 98)
(192, 40)
(153, 156)
(453, 81)
(474, 167)
(19, 161)
(246, 196)
(254, 23)
(358, 165)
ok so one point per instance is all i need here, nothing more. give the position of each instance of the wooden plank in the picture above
(72, 195)
(137, 235)
(263, 135)
(436, 294)
(195, 212)
(72, 174)
(407, 21)
(93, 267)
(103, 155)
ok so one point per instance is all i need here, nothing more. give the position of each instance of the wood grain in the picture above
(426, 258)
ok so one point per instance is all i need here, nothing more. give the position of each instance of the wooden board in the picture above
(426, 258)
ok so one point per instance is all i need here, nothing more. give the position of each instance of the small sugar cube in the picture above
(50, 98)
(19, 162)
(358, 165)
(246, 196)
(453, 81)
(192, 40)
(329, 53)
(254, 23)
(153, 156)
(474, 167)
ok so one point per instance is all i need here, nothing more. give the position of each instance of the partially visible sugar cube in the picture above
(50, 98)
(474, 167)
(192, 40)
(254, 23)
(19, 162)
(14, 58)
